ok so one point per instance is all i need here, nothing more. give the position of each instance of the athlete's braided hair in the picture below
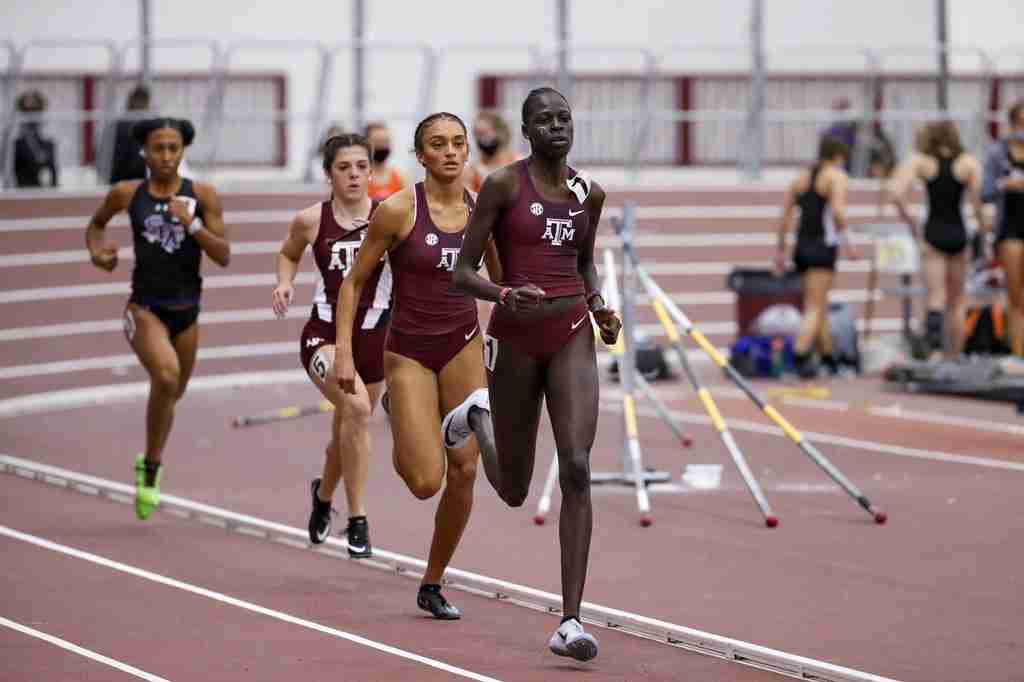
(142, 130)
(536, 94)
(338, 142)
(438, 116)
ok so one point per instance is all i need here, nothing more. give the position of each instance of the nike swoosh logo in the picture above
(562, 635)
(578, 322)
(471, 334)
(357, 548)
(573, 215)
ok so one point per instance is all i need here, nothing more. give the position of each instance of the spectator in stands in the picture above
(386, 180)
(1004, 186)
(844, 129)
(493, 139)
(35, 156)
(127, 163)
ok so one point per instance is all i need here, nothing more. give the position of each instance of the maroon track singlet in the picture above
(538, 240)
(334, 251)
(426, 301)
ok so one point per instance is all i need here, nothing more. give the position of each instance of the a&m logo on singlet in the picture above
(448, 258)
(343, 255)
(157, 229)
(559, 230)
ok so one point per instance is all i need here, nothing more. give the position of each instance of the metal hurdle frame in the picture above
(769, 411)
(633, 472)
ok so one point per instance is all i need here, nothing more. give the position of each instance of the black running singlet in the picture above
(166, 256)
(945, 228)
(816, 224)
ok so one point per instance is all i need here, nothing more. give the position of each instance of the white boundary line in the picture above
(283, 217)
(269, 280)
(42, 331)
(251, 350)
(644, 241)
(833, 439)
(238, 603)
(81, 651)
(684, 637)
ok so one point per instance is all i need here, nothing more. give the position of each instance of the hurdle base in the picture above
(628, 479)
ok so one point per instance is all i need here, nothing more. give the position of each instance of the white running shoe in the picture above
(571, 640)
(455, 429)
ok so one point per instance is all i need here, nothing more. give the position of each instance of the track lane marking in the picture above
(80, 650)
(213, 595)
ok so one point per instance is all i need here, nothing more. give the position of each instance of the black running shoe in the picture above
(320, 517)
(430, 599)
(358, 536)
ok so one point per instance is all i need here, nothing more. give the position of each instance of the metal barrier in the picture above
(660, 116)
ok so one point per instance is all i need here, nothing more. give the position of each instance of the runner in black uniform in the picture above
(820, 192)
(174, 221)
(1004, 185)
(947, 172)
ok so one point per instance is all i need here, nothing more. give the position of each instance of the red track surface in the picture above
(929, 596)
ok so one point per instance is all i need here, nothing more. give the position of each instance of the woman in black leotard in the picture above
(948, 173)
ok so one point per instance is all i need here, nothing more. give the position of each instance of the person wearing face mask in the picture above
(1004, 186)
(492, 139)
(35, 157)
(385, 180)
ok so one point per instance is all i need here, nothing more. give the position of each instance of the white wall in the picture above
(394, 78)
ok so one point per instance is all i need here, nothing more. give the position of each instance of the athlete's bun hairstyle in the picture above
(831, 147)
(142, 130)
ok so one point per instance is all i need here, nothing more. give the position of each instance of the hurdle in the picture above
(810, 450)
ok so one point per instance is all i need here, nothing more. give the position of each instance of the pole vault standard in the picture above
(633, 471)
(773, 414)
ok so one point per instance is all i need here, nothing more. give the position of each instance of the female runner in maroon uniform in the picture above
(543, 218)
(335, 229)
(433, 361)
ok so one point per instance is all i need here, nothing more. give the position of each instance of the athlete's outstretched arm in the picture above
(787, 219)
(495, 196)
(214, 239)
(389, 221)
(289, 257)
(103, 255)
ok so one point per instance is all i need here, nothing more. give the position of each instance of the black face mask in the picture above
(381, 155)
(488, 147)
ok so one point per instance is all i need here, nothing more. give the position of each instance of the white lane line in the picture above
(641, 241)
(238, 603)
(248, 350)
(124, 254)
(895, 411)
(81, 651)
(74, 398)
(298, 311)
(270, 280)
(252, 350)
(628, 622)
(833, 439)
(282, 217)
